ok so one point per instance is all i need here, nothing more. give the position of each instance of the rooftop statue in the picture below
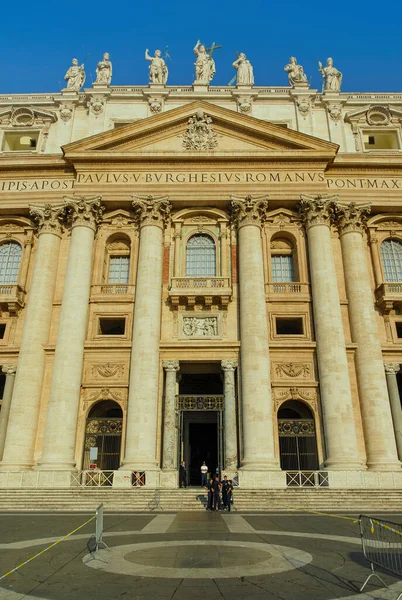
(295, 72)
(75, 76)
(245, 75)
(332, 77)
(158, 71)
(204, 64)
(104, 70)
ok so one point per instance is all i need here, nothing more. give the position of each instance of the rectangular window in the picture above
(119, 269)
(398, 326)
(22, 141)
(289, 325)
(282, 268)
(2, 330)
(380, 140)
(112, 326)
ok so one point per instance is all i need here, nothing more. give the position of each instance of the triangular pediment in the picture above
(227, 132)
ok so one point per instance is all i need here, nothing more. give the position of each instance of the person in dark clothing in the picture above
(210, 489)
(216, 485)
(229, 495)
(183, 475)
(224, 487)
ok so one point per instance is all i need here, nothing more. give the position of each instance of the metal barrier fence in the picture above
(307, 479)
(382, 547)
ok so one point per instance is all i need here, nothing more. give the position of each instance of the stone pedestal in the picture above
(169, 456)
(230, 432)
(336, 396)
(374, 403)
(256, 400)
(143, 396)
(24, 413)
(391, 369)
(64, 395)
(9, 370)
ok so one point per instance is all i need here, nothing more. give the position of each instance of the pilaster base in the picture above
(39, 479)
(123, 478)
(262, 479)
(169, 479)
(375, 480)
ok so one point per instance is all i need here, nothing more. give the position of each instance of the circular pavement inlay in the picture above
(197, 559)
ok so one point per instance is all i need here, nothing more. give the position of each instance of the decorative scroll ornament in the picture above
(118, 395)
(300, 427)
(303, 106)
(200, 326)
(199, 134)
(245, 104)
(12, 369)
(49, 217)
(96, 105)
(99, 426)
(84, 211)
(378, 115)
(392, 368)
(335, 112)
(350, 216)
(200, 402)
(292, 369)
(66, 112)
(229, 365)
(152, 210)
(318, 210)
(171, 365)
(155, 104)
(108, 370)
(251, 210)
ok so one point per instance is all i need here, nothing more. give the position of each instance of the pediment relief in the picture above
(282, 218)
(198, 128)
(26, 116)
(384, 223)
(375, 115)
(118, 219)
(200, 217)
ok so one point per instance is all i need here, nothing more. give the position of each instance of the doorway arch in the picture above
(103, 430)
(297, 437)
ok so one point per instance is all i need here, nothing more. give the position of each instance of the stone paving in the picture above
(174, 556)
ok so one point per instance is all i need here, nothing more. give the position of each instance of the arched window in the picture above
(10, 259)
(118, 253)
(297, 437)
(201, 256)
(103, 430)
(282, 261)
(391, 254)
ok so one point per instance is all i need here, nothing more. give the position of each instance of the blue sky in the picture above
(40, 38)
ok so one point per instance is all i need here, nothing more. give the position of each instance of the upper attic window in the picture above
(20, 141)
(380, 140)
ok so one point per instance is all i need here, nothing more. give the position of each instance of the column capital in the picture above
(171, 365)
(317, 210)
(9, 369)
(48, 217)
(84, 211)
(152, 210)
(250, 210)
(391, 368)
(229, 365)
(350, 216)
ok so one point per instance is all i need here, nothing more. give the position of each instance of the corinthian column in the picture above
(169, 458)
(9, 370)
(152, 215)
(336, 396)
(258, 432)
(231, 459)
(24, 412)
(374, 403)
(390, 373)
(59, 440)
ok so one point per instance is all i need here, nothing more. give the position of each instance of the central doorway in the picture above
(200, 443)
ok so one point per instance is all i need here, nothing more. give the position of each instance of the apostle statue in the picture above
(245, 75)
(158, 71)
(332, 77)
(204, 64)
(104, 70)
(296, 74)
(75, 76)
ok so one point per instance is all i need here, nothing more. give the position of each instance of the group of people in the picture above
(216, 488)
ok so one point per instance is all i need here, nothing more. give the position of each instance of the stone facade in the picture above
(132, 177)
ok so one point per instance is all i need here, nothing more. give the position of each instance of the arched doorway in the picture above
(103, 431)
(297, 437)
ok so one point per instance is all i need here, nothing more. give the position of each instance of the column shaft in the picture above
(24, 413)
(170, 453)
(374, 402)
(9, 370)
(395, 402)
(336, 396)
(231, 458)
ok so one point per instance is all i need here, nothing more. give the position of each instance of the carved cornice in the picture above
(317, 210)
(12, 369)
(171, 365)
(350, 216)
(392, 368)
(251, 210)
(84, 211)
(229, 365)
(49, 217)
(152, 210)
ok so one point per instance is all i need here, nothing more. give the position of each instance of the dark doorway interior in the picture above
(201, 384)
(203, 445)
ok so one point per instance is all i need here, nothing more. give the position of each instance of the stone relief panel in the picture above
(114, 372)
(92, 395)
(309, 395)
(295, 370)
(199, 327)
(107, 370)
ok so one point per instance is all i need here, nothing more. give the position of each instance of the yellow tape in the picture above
(317, 512)
(372, 521)
(48, 548)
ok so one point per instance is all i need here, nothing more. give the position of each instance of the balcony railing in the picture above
(292, 290)
(122, 292)
(205, 290)
(389, 296)
(12, 298)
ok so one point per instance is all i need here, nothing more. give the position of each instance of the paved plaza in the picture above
(176, 556)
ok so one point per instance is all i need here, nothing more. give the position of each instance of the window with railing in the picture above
(119, 269)
(391, 255)
(117, 260)
(10, 259)
(200, 256)
(282, 263)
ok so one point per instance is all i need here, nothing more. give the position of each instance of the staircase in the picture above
(194, 499)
